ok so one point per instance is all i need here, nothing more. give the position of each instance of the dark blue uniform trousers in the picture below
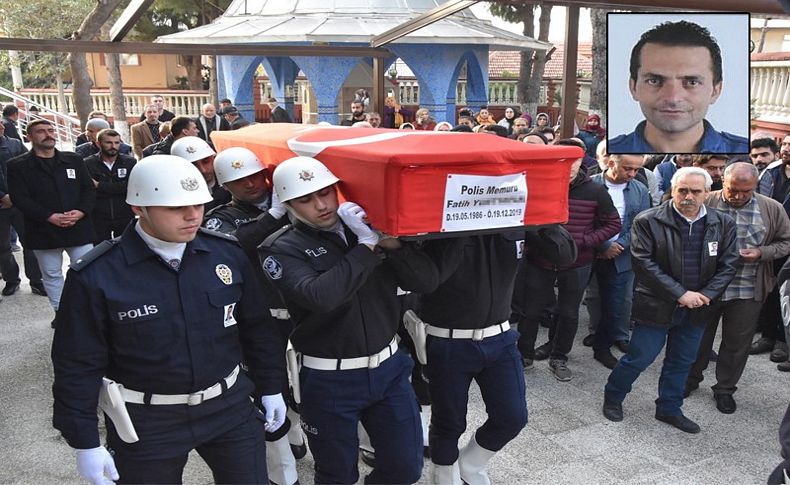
(227, 432)
(335, 401)
(495, 363)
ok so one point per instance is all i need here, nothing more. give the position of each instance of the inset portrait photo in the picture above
(678, 83)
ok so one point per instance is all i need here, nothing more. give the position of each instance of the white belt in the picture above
(369, 361)
(474, 333)
(137, 397)
(280, 313)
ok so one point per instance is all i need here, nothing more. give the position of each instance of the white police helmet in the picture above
(191, 149)
(166, 180)
(236, 163)
(299, 176)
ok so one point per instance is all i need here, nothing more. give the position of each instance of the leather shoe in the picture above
(38, 289)
(783, 367)
(588, 340)
(542, 352)
(778, 354)
(367, 457)
(680, 422)
(10, 288)
(606, 358)
(690, 387)
(761, 346)
(612, 411)
(725, 403)
(622, 345)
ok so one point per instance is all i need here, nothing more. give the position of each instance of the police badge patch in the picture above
(224, 273)
(273, 268)
(190, 184)
(213, 224)
(306, 175)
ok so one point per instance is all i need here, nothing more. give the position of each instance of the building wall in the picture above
(156, 71)
(774, 38)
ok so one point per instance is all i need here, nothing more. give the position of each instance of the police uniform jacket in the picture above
(476, 278)
(111, 191)
(342, 297)
(227, 218)
(42, 187)
(128, 316)
(712, 142)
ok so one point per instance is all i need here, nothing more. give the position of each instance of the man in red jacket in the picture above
(592, 220)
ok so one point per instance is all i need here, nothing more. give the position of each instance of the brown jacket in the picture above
(775, 245)
(141, 138)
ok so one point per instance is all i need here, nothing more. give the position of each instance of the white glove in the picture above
(97, 466)
(277, 210)
(275, 411)
(354, 217)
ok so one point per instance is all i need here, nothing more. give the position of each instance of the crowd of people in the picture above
(290, 297)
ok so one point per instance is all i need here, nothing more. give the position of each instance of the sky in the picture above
(556, 28)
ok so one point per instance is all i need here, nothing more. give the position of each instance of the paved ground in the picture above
(567, 439)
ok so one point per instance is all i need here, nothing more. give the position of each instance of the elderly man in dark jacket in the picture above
(55, 193)
(684, 256)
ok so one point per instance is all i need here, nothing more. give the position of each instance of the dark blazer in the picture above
(657, 257)
(40, 189)
(280, 115)
(201, 120)
(111, 191)
(9, 148)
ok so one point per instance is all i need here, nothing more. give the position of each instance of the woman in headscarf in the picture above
(542, 120)
(510, 116)
(592, 134)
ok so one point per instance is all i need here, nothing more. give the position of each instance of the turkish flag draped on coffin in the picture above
(417, 183)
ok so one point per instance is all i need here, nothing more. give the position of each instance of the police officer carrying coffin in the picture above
(469, 337)
(240, 172)
(170, 312)
(339, 281)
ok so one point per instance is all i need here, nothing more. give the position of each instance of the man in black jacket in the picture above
(110, 173)
(279, 114)
(684, 256)
(54, 191)
(209, 121)
(10, 216)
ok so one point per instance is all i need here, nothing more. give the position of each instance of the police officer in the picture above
(196, 151)
(339, 281)
(469, 337)
(244, 176)
(172, 313)
(240, 172)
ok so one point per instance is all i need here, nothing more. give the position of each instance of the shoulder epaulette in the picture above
(221, 235)
(94, 254)
(267, 243)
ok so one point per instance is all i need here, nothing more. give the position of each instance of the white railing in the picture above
(179, 102)
(770, 91)
(67, 127)
(298, 91)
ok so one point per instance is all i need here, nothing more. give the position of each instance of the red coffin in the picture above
(415, 183)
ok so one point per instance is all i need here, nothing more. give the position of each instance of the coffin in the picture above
(425, 184)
